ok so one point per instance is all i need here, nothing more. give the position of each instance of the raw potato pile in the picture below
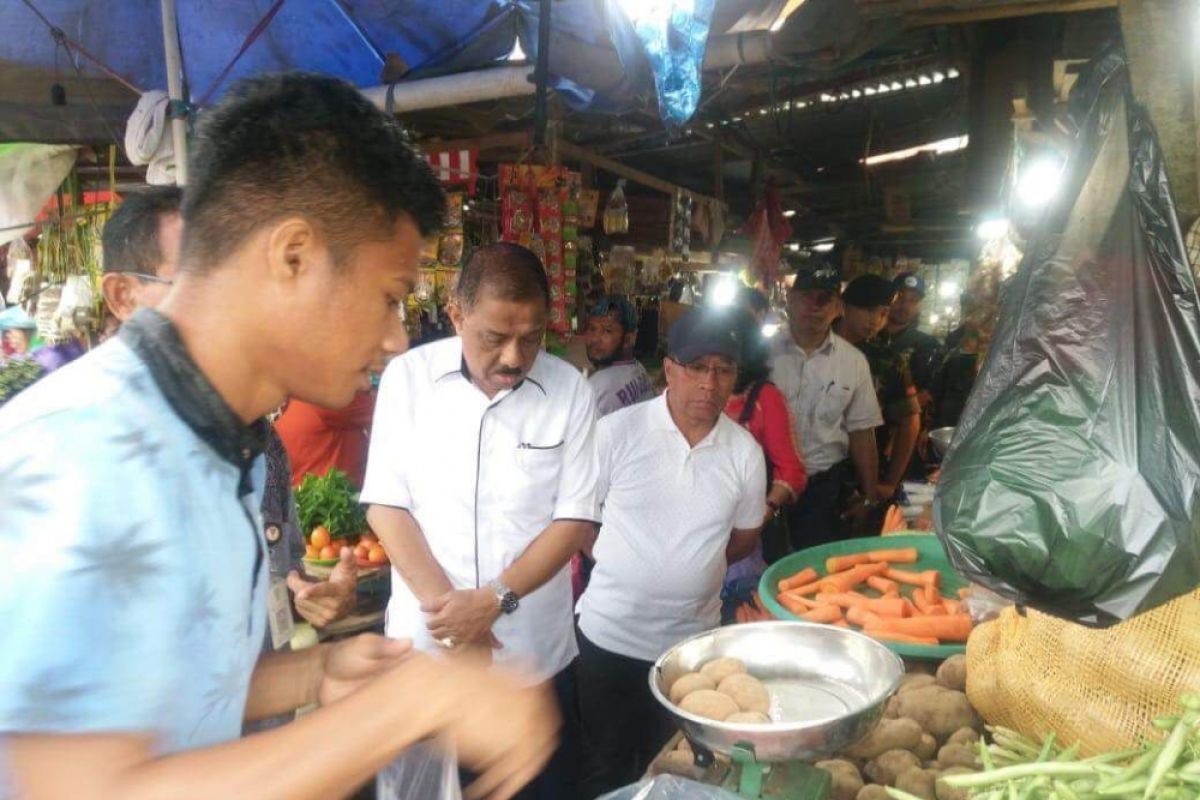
(929, 731)
(723, 691)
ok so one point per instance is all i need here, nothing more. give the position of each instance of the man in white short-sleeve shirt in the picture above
(481, 479)
(683, 491)
(829, 390)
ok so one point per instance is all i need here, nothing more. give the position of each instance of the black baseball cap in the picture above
(705, 332)
(909, 280)
(818, 276)
(869, 291)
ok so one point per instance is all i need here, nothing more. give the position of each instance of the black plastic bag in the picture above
(1072, 482)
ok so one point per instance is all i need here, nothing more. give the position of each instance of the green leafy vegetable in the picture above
(17, 374)
(331, 501)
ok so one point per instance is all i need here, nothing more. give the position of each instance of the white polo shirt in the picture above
(830, 394)
(484, 478)
(668, 510)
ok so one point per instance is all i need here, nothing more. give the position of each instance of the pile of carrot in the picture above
(924, 617)
(753, 610)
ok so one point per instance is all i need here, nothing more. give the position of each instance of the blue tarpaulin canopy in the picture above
(597, 59)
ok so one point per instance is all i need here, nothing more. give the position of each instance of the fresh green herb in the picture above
(17, 374)
(331, 501)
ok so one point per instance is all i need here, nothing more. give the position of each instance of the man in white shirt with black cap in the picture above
(481, 482)
(683, 491)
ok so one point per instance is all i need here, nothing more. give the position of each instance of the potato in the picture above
(686, 684)
(918, 782)
(889, 711)
(748, 718)
(927, 748)
(889, 734)
(873, 791)
(846, 780)
(947, 792)
(967, 736)
(915, 680)
(957, 755)
(940, 712)
(953, 673)
(886, 767)
(747, 691)
(709, 704)
(677, 762)
(719, 669)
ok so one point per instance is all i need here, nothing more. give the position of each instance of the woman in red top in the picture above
(318, 439)
(759, 407)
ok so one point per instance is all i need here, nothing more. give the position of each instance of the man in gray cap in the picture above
(683, 489)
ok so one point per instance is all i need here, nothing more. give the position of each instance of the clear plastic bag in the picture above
(424, 771)
(668, 787)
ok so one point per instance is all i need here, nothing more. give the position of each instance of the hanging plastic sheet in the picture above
(1072, 483)
(673, 34)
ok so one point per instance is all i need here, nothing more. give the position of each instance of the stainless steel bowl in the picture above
(828, 687)
(941, 438)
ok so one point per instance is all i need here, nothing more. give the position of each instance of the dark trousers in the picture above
(560, 779)
(624, 727)
(816, 518)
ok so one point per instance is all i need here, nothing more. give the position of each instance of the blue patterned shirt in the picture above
(134, 597)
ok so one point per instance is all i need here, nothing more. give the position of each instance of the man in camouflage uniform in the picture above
(867, 300)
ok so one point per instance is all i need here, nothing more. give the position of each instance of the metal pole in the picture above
(541, 74)
(170, 28)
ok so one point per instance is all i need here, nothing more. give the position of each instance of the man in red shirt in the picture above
(318, 439)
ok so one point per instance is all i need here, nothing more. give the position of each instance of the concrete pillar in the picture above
(1161, 42)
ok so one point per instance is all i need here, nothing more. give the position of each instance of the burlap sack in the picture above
(1100, 687)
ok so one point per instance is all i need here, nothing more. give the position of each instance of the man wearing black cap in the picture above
(922, 352)
(828, 386)
(867, 300)
(683, 491)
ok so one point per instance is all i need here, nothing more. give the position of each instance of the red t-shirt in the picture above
(320, 438)
(771, 426)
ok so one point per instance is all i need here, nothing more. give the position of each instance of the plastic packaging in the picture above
(1073, 482)
(616, 211)
(669, 787)
(423, 770)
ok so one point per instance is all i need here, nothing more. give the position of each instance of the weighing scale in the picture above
(828, 689)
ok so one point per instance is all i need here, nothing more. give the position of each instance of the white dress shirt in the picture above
(830, 394)
(483, 478)
(668, 510)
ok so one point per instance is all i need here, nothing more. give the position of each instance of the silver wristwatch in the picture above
(506, 599)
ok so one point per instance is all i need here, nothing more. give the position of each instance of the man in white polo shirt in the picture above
(482, 483)
(829, 390)
(683, 491)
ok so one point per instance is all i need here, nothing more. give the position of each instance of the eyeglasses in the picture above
(698, 371)
(145, 276)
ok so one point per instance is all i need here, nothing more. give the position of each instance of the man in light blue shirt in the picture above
(137, 598)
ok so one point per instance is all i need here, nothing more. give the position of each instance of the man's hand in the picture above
(327, 601)
(884, 492)
(463, 617)
(352, 662)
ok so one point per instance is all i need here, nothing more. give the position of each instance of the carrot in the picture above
(910, 610)
(840, 599)
(899, 555)
(949, 627)
(900, 637)
(805, 590)
(922, 601)
(857, 615)
(823, 614)
(842, 563)
(797, 605)
(963, 592)
(930, 577)
(882, 584)
(844, 581)
(884, 607)
(806, 575)
(841, 623)
(952, 606)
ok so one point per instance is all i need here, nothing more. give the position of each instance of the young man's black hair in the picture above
(130, 239)
(301, 145)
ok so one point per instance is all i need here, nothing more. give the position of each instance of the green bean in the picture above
(900, 795)
(1065, 790)
(1018, 771)
(1136, 768)
(1171, 750)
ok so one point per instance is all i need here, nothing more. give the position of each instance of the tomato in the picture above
(312, 551)
(377, 555)
(319, 536)
(368, 539)
(329, 551)
(362, 552)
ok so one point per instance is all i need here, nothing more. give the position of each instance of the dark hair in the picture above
(755, 363)
(130, 238)
(509, 271)
(302, 145)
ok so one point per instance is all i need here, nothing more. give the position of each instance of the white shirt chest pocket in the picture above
(540, 464)
(832, 404)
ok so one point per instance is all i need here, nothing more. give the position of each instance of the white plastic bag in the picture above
(669, 787)
(425, 771)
